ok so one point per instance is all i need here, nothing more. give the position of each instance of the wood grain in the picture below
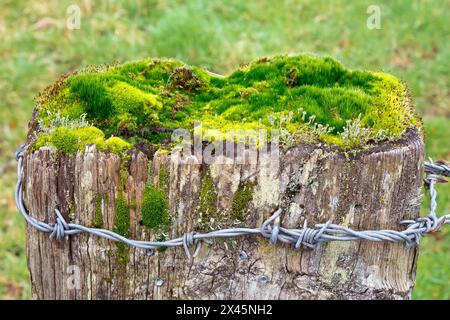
(370, 190)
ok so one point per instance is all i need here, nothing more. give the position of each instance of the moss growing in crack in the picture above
(98, 219)
(160, 238)
(207, 201)
(123, 174)
(163, 180)
(317, 94)
(72, 211)
(155, 208)
(122, 225)
(241, 200)
(133, 204)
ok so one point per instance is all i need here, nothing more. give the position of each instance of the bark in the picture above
(369, 190)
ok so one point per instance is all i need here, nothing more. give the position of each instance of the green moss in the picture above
(91, 91)
(72, 212)
(311, 92)
(160, 238)
(208, 199)
(122, 227)
(133, 204)
(64, 139)
(115, 145)
(241, 199)
(155, 208)
(122, 219)
(209, 217)
(70, 140)
(163, 180)
(108, 280)
(123, 174)
(98, 219)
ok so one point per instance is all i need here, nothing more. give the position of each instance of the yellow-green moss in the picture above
(163, 180)
(160, 238)
(72, 211)
(155, 208)
(114, 144)
(241, 200)
(123, 174)
(146, 99)
(133, 204)
(98, 219)
(207, 200)
(70, 140)
(122, 218)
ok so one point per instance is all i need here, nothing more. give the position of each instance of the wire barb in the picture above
(270, 228)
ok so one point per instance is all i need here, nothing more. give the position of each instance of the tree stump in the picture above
(373, 189)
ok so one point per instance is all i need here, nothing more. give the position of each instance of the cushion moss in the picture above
(145, 100)
(122, 224)
(70, 140)
(155, 203)
(155, 208)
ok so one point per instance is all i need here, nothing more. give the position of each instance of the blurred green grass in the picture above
(36, 47)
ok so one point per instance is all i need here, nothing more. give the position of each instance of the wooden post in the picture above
(370, 190)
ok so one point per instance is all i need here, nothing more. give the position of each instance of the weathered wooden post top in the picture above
(234, 187)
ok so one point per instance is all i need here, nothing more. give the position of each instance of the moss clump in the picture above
(98, 219)
(207, 201)
(142, 102)
(122, 218)
(91, 92)
(114, 144)
(163, 180)
(64, 139)
(155, 208)
(241, 199)
(70, 140)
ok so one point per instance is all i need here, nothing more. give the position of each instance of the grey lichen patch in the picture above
(267, 191)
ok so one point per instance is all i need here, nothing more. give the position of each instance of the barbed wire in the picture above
(270, 228)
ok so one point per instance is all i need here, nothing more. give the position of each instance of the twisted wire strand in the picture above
(270, 228)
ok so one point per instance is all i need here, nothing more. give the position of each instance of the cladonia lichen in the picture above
(308, 98)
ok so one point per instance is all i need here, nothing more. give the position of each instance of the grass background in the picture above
(36, 46)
